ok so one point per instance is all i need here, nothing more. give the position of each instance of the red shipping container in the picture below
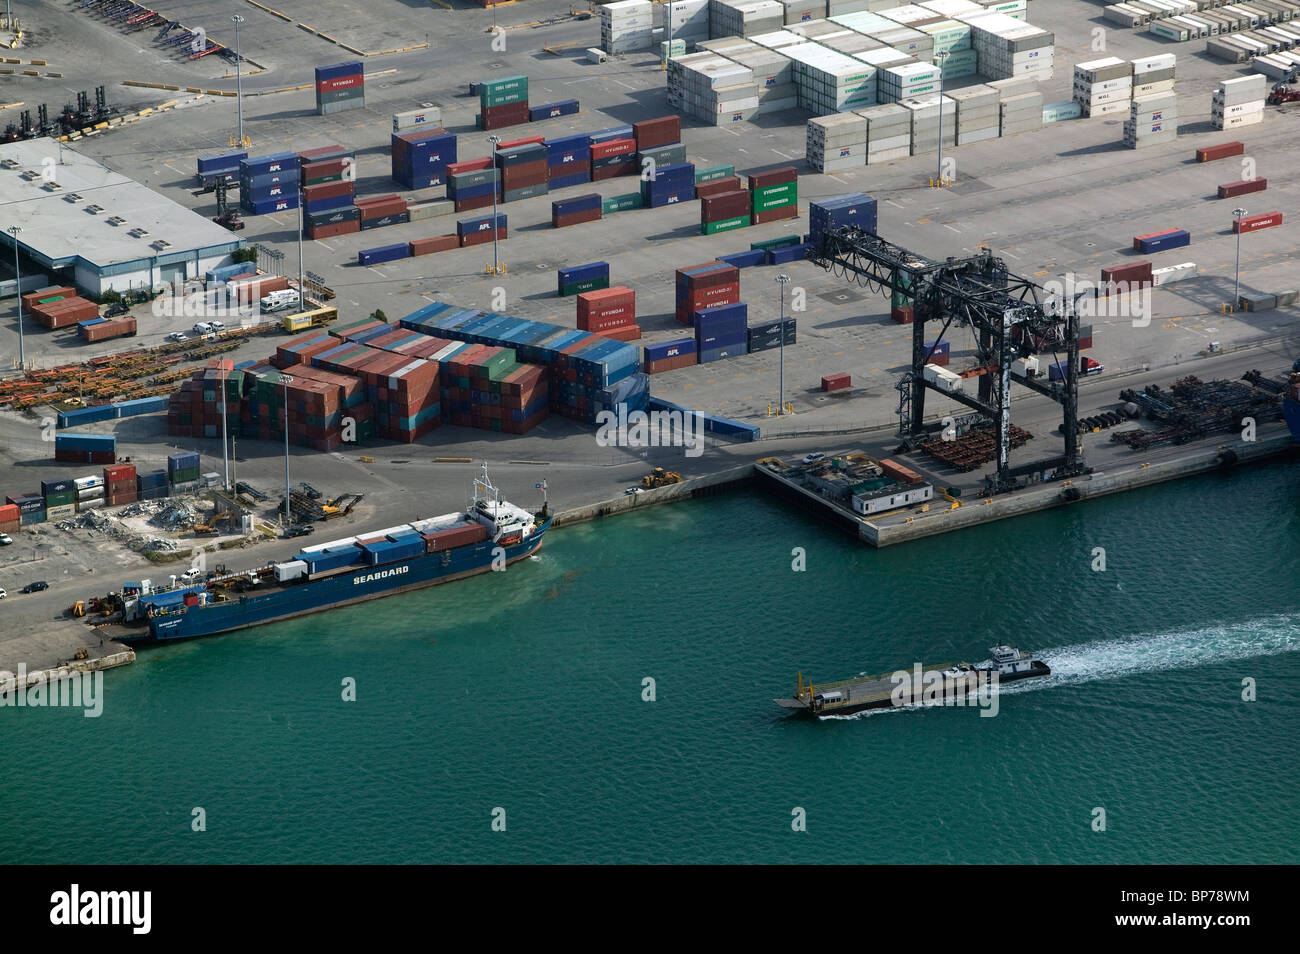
(31, 299)
(518, 177)
(618, 299)
(670, 364)
(326, 167)
(117, 472)
(111, 329)
(340, 82)
(575, 218)
(438, 243)
(623, 333)
(663, 131)
(759, 180)
(902, 316)
(892, 468)
(835, 382)
(1253, 223)
(375, 199)
(774, 215)
(308, 156)
(331, 230)
(509, 114)
(377, 210)
(9, 513)
(328, 190)
(469, 165)
(628, 168)
(717, 186)
(479, 238)
(1221, 151)
(1245, 186)
(526, 141)
(615, 147)
(726, 205)
(468, 205)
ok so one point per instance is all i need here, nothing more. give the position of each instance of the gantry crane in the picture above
(1010, 317)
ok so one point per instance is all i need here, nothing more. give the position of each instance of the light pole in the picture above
(493, 140)
(239, 85)
(15, 231)
(940, 57)
(302, 299)
(225, 365)
(782, 280)
(1236, 284)
(286, 379)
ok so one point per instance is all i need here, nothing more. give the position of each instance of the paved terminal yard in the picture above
(1066, 199)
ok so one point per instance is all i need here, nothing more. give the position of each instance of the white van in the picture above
(202, 327)
(279, 300)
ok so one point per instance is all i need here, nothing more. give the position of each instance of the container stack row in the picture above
(340, 87)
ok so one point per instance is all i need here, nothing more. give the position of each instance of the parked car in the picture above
(178, 336)
(35, 587)
(3, 594)
(632, 490)
(813, 457)
(117, 308)
(216, 325)
(5, 540)
(301, 531)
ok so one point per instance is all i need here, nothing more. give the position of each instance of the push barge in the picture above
(490, 534)
(922, 685)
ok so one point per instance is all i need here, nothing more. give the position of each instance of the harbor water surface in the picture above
(527, 692)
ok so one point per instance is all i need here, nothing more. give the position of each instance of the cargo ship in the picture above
(952, 685)
(490, 534)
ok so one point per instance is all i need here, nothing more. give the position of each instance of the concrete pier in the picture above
(47, 649)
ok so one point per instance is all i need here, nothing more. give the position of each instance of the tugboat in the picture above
(951, 684)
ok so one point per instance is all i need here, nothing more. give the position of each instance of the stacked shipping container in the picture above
(340, 87)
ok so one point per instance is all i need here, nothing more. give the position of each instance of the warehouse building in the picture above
(89, 226)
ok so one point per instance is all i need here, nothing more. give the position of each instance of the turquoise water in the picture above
(525, 693)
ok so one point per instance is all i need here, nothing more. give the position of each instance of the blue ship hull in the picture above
(1291, 411)
(355, 585)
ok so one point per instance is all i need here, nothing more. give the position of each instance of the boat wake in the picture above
(1152, 652)
(1155, 652)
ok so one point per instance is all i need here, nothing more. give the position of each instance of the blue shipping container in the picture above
(275, 162)
(568, 107)
(579, 203)
(86, 442)
(384, 253)
(605, 135)
(670, 349)
(267, 206)
(329, 205)
(221, 162)
(580, 177)
(481, 223)
(745, 259)
(791, 253)
(338, 70)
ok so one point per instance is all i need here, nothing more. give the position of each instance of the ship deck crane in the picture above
(1010, 317)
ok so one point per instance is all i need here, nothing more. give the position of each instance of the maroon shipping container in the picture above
(481, 238)
(670, 364)
(377, 210)
(510, 114)
(759, 180)
(328, 190)
(902, 316)
(518, 177)
(1221, 151)
(32, 298)
(468, 205)
(663, 131)
(1245, 186)
(623, 333)
(333, 229)
(326, 167)
(773, 215)
(1136, 271)
(386, 197)
(727, 205)
(629, 167)
(836, 382)
(452, 537)
(1253, 223)
(308, 156)
(718, 186)
(575, 218)
(438, 243)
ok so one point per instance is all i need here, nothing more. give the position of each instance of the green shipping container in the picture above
(775, 197)
(590, 284)
(621, 203)
(510, 89)
(321, 180)
(726, 225)
(717, 172)
(784, 241)
(47, 301)
(60, 500)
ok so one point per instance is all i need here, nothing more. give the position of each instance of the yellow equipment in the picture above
(660, 478)
(78, 609)
(82, 653)
(302, 320)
